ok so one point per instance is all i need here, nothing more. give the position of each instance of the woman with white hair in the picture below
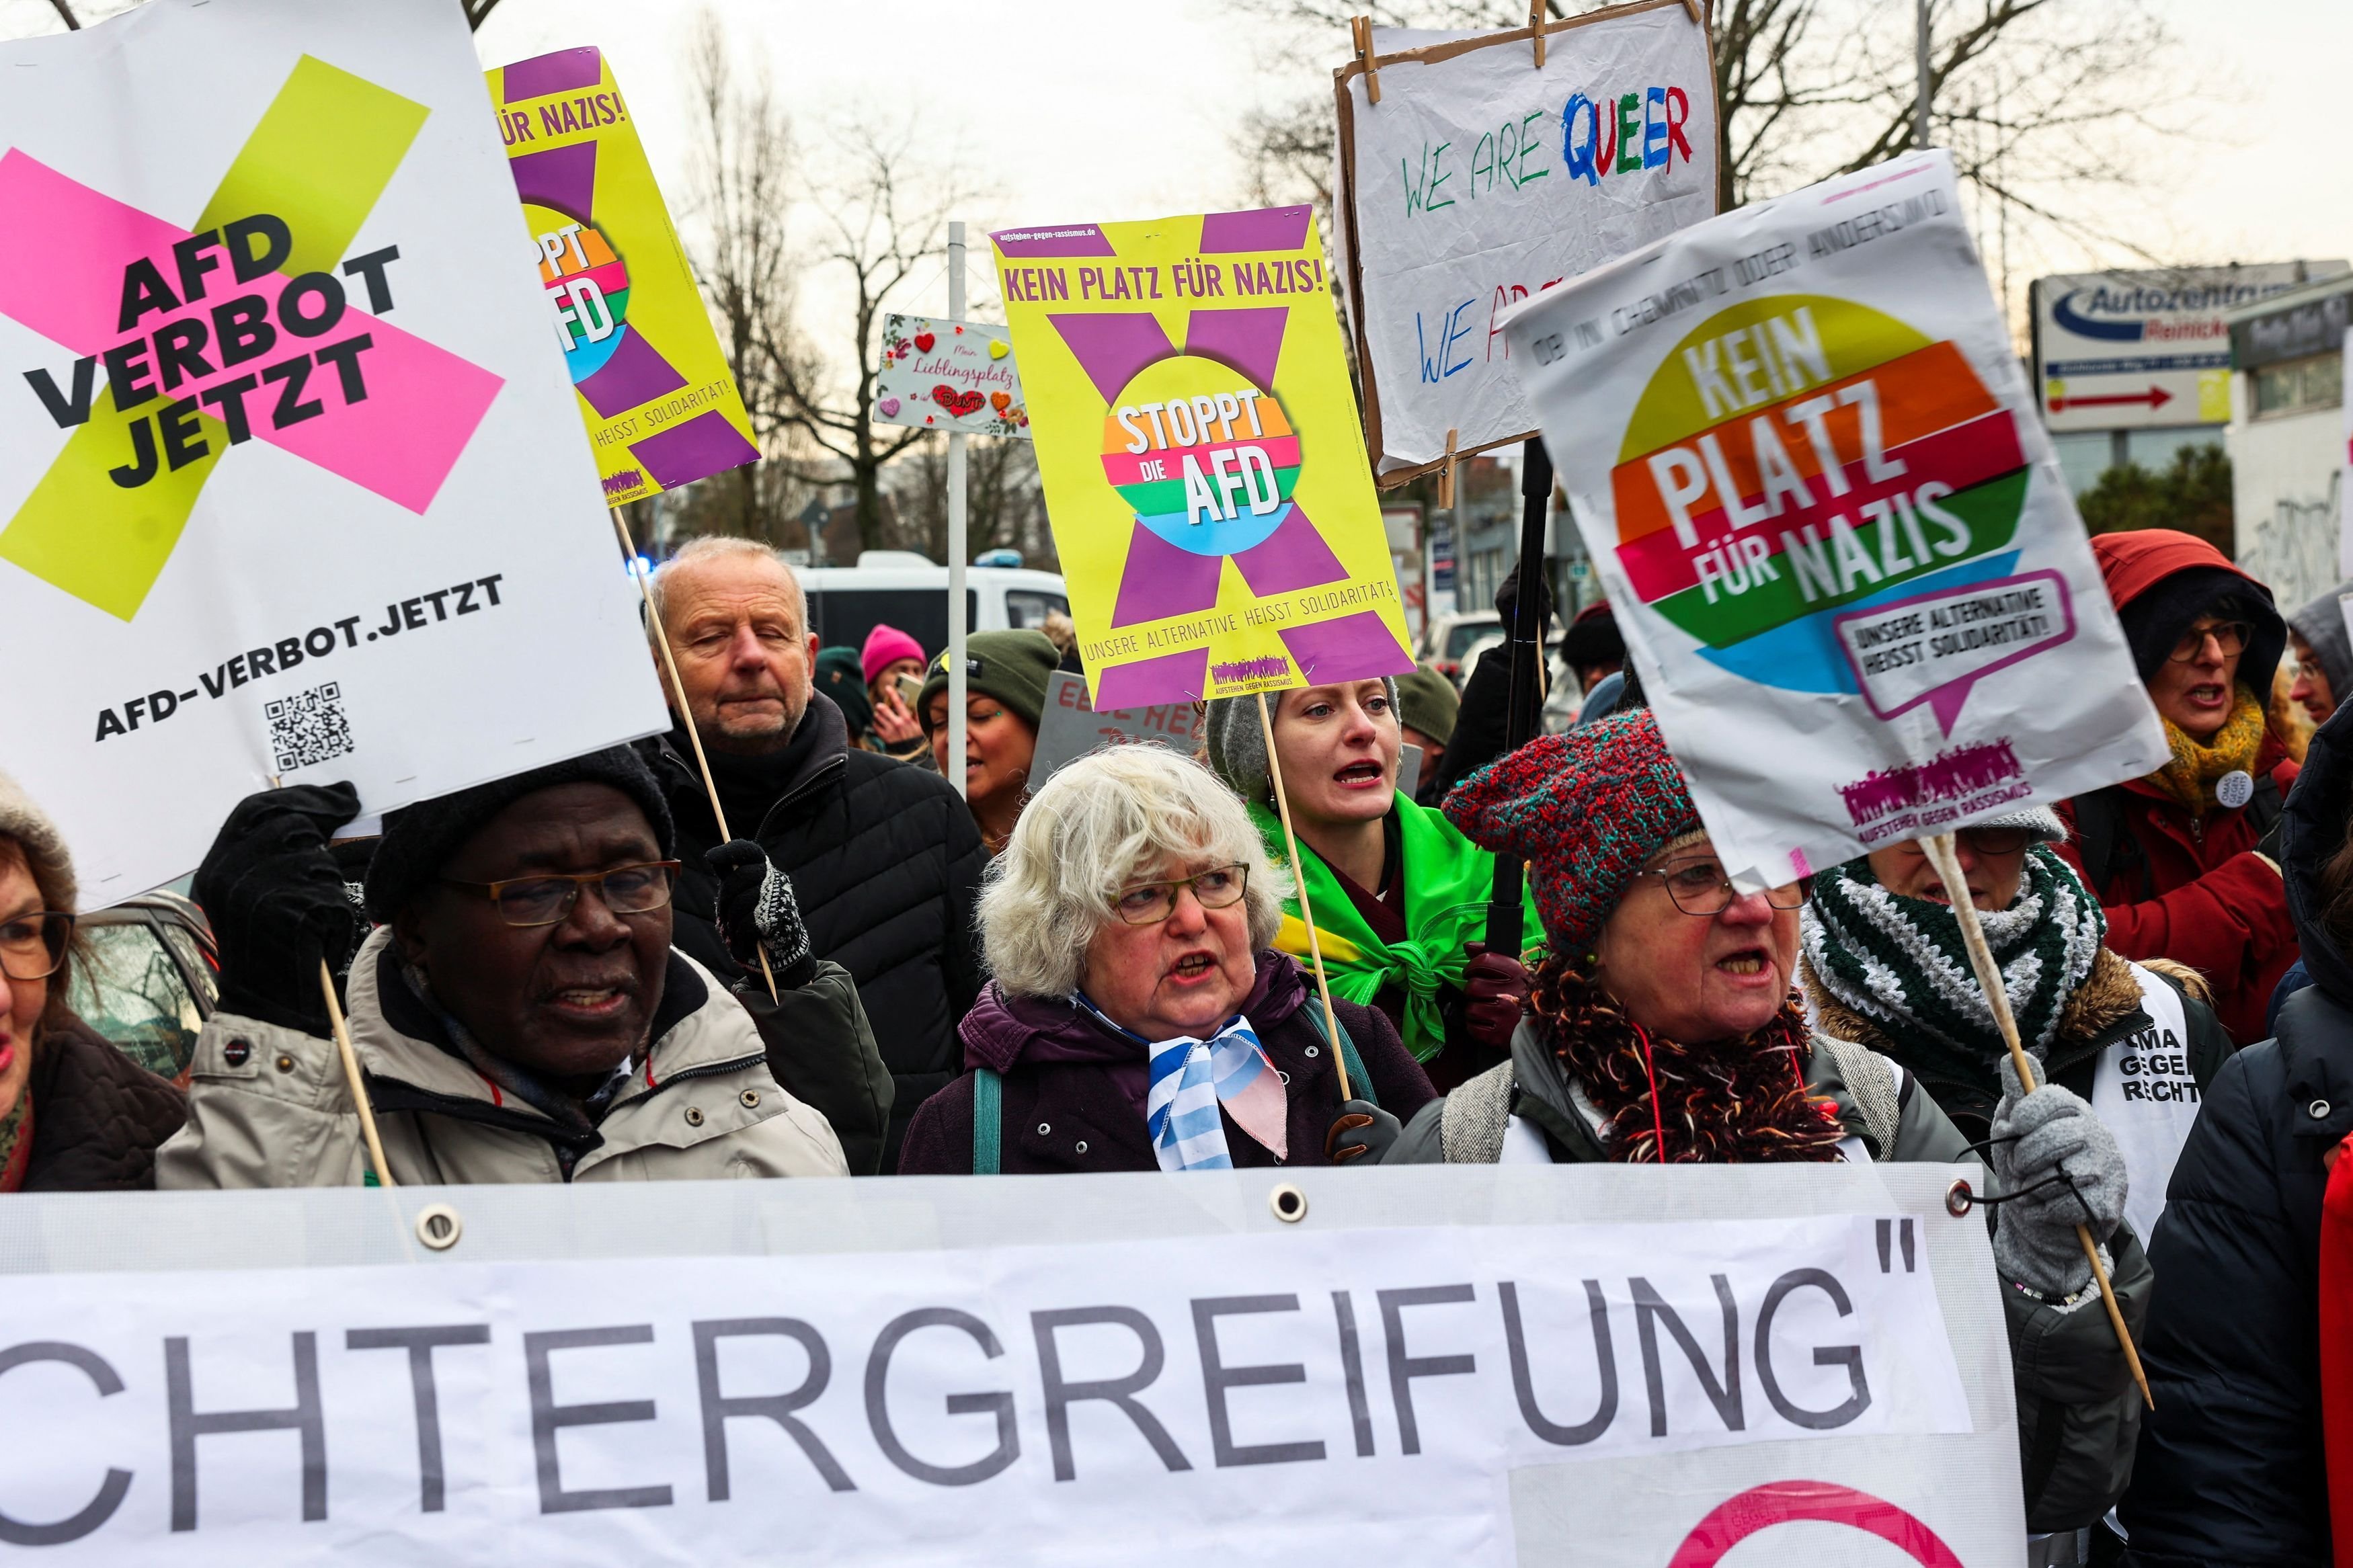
(1140, 1018)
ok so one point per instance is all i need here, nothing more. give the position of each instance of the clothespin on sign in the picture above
(1446, 475)
(1536, 26)
(1698, 20)
(1361, 29)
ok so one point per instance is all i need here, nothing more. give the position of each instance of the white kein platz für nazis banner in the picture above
(1479, 180)
(1799, 446)
(292, 482)
(1821, 1357)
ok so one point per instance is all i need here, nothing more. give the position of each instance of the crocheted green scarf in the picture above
(1901, 962)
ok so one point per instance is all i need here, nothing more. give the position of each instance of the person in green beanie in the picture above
(1427, 704)
(1004, 693)
(1399, 896)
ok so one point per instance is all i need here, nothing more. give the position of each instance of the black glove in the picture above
(758, 914)
(275, 898)
(1362, 1130)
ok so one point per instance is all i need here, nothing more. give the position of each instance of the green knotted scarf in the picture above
(1448, 881)
(1901, 962)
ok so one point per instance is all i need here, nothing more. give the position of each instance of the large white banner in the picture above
(292, 482)
(1441, 1365)
(1479, 180)
(1801, 452)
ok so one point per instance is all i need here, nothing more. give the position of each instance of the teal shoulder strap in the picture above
(987, 1123)
(1360, 1082)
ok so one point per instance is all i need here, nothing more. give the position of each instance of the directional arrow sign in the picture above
(2155, 397)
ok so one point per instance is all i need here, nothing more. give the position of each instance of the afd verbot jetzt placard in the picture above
(292, 485)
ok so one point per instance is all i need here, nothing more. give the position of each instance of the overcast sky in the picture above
(1080, 109)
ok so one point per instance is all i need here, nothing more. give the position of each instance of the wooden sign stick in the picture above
(685, 713)
(1306, 911)
(1939, 850)
(352, 1076)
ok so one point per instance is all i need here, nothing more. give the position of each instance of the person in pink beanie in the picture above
(889, 655)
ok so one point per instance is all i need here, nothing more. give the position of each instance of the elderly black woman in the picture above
(520, 1015)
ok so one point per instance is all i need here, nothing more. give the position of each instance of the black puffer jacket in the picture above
(97, 1116)
(2230, 1469)
(886, 863)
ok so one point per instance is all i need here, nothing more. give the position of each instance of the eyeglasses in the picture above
(546, 900)
(1699, 887)
(1987, 841)
(2231, 637)
(33, 945)
(1149, 903)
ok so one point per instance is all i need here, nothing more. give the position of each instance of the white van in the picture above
(901, 589)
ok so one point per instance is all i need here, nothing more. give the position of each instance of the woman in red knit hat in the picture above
(2185, 862)
(1663, 1027)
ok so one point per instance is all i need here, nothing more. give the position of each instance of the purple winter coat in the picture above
(1074, 1093)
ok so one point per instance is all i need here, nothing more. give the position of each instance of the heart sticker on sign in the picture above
(956, 375)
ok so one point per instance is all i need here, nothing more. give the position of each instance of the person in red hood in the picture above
(2184, 860)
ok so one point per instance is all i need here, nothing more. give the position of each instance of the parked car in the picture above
(901, 589)
(151, 980)
(1448, 638)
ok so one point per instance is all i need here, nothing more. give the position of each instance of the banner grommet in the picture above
(439, 1226)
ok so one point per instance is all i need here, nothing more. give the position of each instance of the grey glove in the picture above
(2040, 1139)
(1362, 1130)
(758, 914)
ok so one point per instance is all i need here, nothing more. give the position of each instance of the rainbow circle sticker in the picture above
(1797, 459)
(588, 288)
(1206, 457)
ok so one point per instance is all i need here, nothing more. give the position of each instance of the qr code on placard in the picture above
(308, 727)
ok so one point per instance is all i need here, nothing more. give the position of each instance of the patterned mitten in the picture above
(758, 914)
(2041, 1138)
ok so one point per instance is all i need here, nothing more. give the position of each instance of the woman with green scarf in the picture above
(1399, 896)
(1885, 966)
(2185, 861)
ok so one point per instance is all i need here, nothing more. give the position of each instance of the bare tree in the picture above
(741, 184)
(1004, 507)
(880, 220)
(476, 10)
(2037, 101)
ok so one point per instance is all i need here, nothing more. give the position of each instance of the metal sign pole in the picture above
(958, 550)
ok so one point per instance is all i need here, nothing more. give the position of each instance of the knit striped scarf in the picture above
(1901, 962)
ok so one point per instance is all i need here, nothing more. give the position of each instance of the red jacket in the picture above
(2216, 906)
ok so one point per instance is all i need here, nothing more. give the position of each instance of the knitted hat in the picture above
(1593, 638)
(886, 646)
(419, 841)
(1236, 742)
(2321, 625)
(44, 846)
(1426, 701)
(2162, 579)
(2042, 824)
(840, 677)
(1012, 667)
(1587, 810)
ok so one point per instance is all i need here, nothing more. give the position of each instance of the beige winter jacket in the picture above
(269, 1107)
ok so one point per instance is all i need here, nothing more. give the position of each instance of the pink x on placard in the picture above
(422, 403)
